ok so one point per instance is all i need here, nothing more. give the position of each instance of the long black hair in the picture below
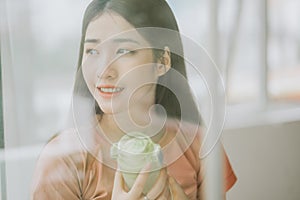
(141, 14)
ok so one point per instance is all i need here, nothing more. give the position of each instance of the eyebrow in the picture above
(123, 40)
(92, 41)
(117, 40)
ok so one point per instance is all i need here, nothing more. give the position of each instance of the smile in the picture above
(109, 91)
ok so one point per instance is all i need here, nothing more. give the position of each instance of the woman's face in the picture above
(118, 69)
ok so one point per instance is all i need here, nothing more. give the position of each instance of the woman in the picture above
(126, 66)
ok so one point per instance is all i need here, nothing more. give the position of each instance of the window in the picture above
(257, 51)
(255, 43)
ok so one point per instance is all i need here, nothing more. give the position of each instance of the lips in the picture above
(108, 91)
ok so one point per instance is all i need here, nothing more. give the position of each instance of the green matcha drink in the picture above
(133, 152)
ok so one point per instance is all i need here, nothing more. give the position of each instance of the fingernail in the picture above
(147, 167)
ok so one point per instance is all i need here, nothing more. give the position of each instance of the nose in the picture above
(106, 68)
(108, 73)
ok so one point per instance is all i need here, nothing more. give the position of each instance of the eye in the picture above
(123, 51)
(92, 52)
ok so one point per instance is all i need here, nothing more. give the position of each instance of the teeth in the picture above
(111, 90)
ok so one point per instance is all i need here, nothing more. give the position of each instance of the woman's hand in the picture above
(160, 190)
(176, 190)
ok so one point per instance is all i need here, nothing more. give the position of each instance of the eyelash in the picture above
(90, 51)
(119, 51)
(124, 51)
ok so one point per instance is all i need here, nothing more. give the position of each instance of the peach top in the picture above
(68, 168)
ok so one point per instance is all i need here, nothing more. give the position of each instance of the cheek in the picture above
(89, 76)
(139, 85)
(139, 73)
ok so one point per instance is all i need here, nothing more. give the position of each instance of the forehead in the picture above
(110, 25)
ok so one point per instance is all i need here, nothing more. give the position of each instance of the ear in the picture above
(164, 63)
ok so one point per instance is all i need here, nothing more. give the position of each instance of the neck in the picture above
(147, 121)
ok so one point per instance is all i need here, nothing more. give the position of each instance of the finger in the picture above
(138, 186)
(147, 168)
(176, 190)
(165, 194)
(159, 185)
(118, 182)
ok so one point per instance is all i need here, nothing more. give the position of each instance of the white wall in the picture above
(266, 161)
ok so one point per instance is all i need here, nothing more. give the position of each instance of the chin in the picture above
(107, 109)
